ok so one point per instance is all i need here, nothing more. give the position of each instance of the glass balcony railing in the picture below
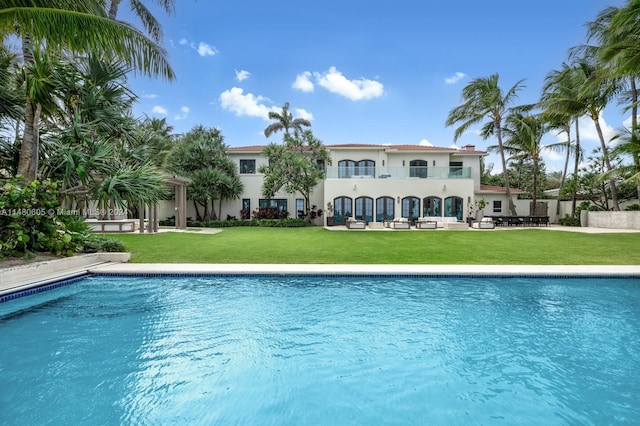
(399, 173)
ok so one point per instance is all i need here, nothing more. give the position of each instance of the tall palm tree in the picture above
(284, 120)
(560, 104)
(149, 22)
(523, 141)
(484, 99)
(78, 26)
(595, 92)
(618, 33)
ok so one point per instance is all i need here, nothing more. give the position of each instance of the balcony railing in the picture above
(399, 173)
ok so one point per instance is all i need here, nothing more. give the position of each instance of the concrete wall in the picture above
(615, 220)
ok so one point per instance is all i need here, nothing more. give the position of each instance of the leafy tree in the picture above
(89, 144)
(484, 99)
(295, 166)
(201, 155)
(285, 121)
(70, 25)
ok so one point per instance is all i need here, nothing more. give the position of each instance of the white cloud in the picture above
(455, 78)
(236, 101)
(242, 75)
(202, 48)
(588, 130)
(425, 142)
(150, 96)
(356, 90)
(205, 50)
(184, 112)
(159, 110)
(303, 82)
(302, 113)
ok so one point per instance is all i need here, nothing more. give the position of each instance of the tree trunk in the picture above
(605, 154)
(564, 171)
(576, 165)
(113, 9)
(29, 146)
(505, 172)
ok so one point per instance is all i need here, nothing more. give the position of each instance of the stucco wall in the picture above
(615, 220)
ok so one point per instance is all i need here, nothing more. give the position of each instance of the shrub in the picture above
(569, 221)
(633, 207)
(29, 220)
(95, 243)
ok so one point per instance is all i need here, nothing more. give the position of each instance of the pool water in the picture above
(334, 351)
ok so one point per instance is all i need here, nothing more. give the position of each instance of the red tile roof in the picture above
(404, 147)
(499, 189)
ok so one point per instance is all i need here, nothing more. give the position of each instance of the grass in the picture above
(318, 245)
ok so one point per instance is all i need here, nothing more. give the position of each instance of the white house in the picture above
(379, 182)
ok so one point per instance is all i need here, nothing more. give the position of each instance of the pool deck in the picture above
(347, 269)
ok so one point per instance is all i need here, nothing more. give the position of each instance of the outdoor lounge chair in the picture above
(485, 223)
(426, 223)
(353, 223)
(401, 223)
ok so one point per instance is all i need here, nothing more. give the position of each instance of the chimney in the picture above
(469, 147)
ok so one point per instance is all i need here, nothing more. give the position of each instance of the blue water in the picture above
(323, 351)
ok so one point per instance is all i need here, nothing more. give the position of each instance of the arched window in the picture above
(384, 209)
(453, 207)
(366, 168)
(349, 168)
(342, 209)
(411, 208)
(364, 209)
(432, 206)
(346, 168)
(418, 168)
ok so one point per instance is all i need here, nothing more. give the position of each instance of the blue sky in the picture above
(361, 71)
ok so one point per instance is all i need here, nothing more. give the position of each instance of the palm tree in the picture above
(483, 99)
(149, 22)
(595, 92)
(523, 136)
(284, 120)
(72, 25)
(562, 107)
(618, 33)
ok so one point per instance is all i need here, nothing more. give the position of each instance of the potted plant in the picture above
(480, 205)
(331, 221)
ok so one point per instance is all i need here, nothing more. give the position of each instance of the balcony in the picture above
(399, 173)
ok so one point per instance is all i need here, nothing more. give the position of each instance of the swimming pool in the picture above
(323, 350)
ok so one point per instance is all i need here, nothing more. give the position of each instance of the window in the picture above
(246, 208)
(411, 208)
(278, 203)
(418, 168)
(364, 209)
(384, 209)
(497, 206)
(455, 168)
(342, 209)
(349, 168)
(300, 207)
(247, 167)
(432, 206)
(453, 207)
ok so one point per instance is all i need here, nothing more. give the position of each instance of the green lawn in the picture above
(318, 245)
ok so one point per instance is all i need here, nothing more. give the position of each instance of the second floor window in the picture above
(418, 168)
(348, 168)
(247, 167)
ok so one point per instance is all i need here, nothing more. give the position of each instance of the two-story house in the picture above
(379, 182)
